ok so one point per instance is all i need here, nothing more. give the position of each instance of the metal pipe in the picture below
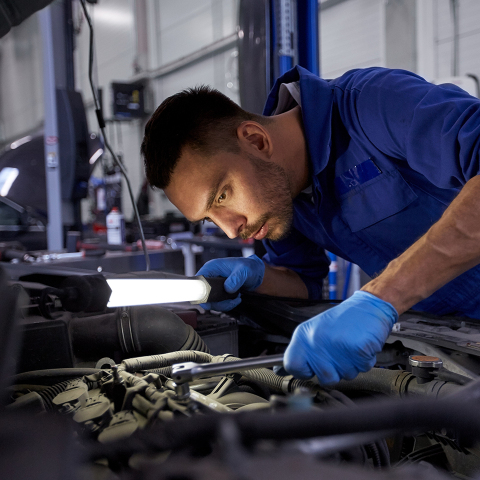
(52, 149)
(209, 51)
(454, 9)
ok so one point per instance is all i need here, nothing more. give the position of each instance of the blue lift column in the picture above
(295, 37)
(283, 35)
(308, 35)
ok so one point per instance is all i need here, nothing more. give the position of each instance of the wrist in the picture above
(282, 282)
(384, 307)
(390, 294)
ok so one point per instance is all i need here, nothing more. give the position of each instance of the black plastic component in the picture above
(128, 100)
(85, 293)
(9, 333)
(46, 344)
(13, 12)
(218, 292)
(101, 121)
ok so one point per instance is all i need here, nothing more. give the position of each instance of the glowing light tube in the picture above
(149, 291)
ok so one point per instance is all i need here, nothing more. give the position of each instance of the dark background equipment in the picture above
(128, 100)
(14, 12)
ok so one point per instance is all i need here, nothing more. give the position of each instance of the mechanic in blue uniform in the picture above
(377, 166)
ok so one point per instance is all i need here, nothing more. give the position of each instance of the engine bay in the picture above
(176, 392)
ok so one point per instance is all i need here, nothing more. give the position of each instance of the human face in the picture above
(244, 195)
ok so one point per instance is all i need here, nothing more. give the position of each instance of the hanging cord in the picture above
(101, 123)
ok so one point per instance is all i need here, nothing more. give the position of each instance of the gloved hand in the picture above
(240, 272)
(342, 341)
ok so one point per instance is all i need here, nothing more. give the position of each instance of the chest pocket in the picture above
(373, 197)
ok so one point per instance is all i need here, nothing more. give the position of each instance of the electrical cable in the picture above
(101, 123)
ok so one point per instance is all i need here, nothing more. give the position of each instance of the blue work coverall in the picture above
(388, 152)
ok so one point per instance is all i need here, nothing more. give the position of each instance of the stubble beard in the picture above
(275, 196)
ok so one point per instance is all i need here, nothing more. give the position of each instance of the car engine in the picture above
(175, 392)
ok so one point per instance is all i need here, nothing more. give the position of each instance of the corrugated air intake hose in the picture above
(148, 329)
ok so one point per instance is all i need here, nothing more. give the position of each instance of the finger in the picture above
(226, 305)
(326, 373)
(294, 362)
(236, 280)
(214, 268)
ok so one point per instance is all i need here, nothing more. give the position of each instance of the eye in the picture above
(222, 197)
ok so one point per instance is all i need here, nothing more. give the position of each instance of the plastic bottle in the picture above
(115, 227)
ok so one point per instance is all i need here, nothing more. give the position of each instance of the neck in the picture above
(291, 148)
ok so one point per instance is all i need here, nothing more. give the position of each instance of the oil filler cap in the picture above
(424, 366)
(425, 361)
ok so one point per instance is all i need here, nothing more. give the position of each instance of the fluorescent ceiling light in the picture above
(96, 156)
(113, 16)
(20, 141)
(7, 177)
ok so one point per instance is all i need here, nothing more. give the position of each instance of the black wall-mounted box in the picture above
(128, 100)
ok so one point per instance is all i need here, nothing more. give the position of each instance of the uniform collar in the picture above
(317, 100)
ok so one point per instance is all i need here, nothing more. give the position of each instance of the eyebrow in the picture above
(213, 194)
(211, 197)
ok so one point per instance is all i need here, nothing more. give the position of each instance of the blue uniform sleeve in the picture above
(301, 255)
(434, 128)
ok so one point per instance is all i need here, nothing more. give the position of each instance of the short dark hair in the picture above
(201, 118)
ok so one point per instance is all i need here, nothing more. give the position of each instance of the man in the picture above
(378, 166)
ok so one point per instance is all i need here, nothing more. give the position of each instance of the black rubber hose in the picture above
(158, 330)
(404, 415)
(165, 360)
(166, 371)
(395, 383)
(374, 454)
(51, 392)
(378, 380)
(384, 452)
(146, 330)
(267, 377)
(379, 449)
(194, 342)
(52, 376)
(448, 376)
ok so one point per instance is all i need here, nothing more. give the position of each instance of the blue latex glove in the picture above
(239, 272)
(342, 341)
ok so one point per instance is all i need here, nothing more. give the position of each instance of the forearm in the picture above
(449, 248)
(282, 282)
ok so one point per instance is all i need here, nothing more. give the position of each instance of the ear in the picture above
(253, 136)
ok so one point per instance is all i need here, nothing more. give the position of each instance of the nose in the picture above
(230, 222)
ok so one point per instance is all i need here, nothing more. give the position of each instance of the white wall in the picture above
(21, 81)
(469, 37)
(353, 34)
